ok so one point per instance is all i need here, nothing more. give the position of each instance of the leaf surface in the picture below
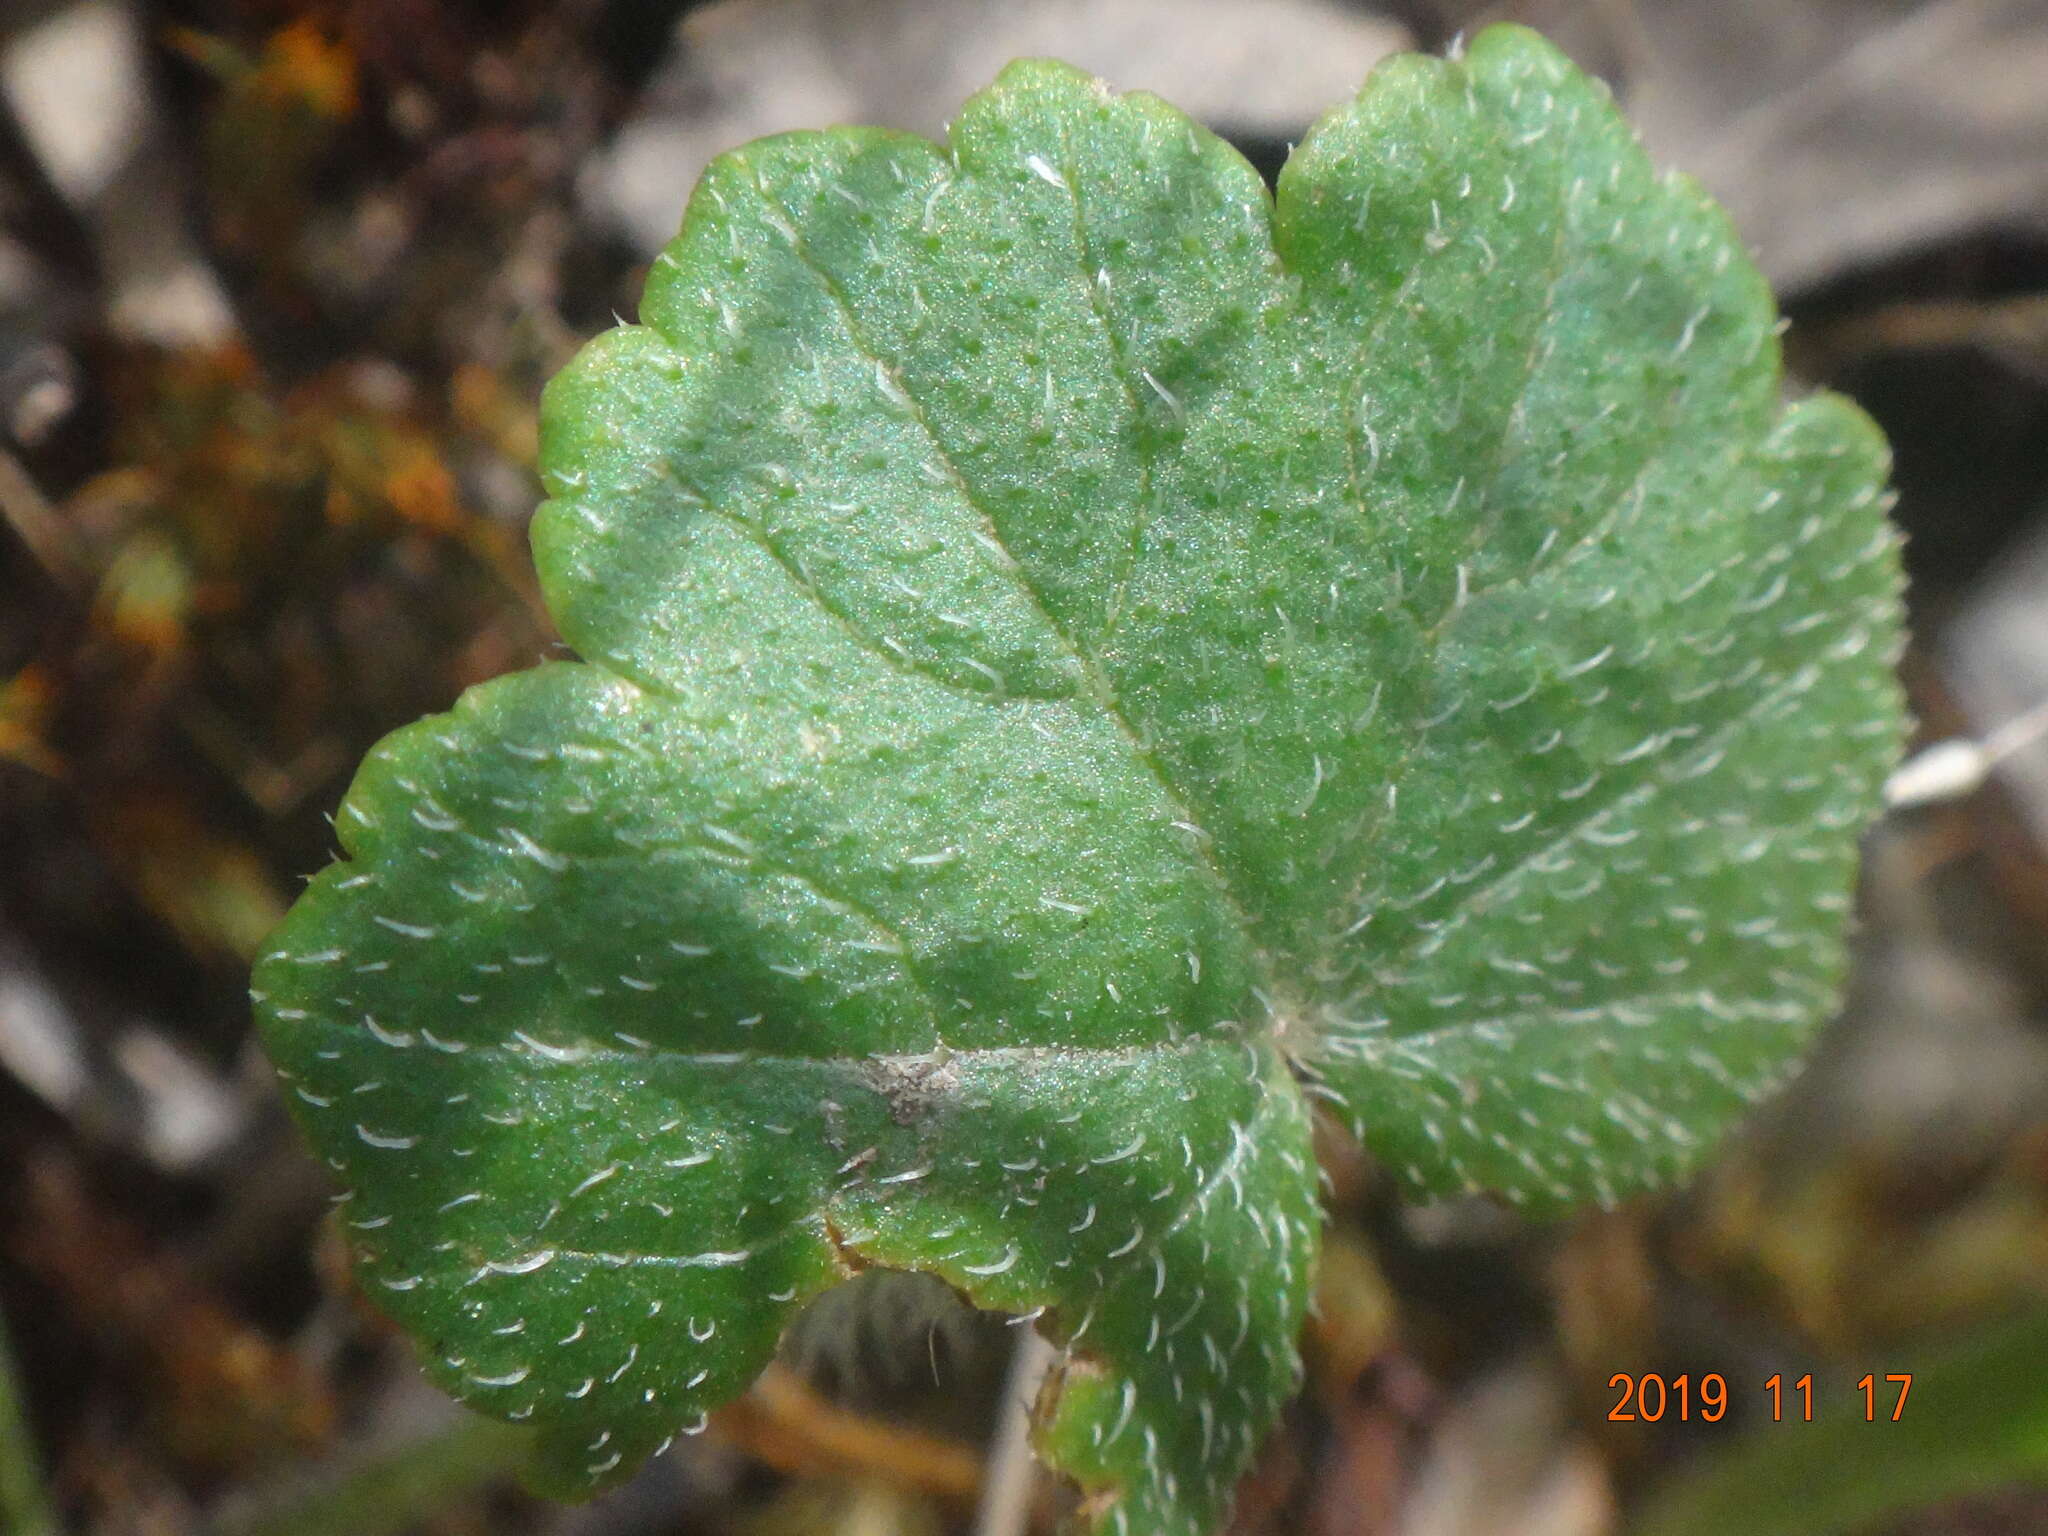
(1076, 652)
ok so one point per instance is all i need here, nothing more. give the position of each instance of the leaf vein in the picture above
(1098, 684)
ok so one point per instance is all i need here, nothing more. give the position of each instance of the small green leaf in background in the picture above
(1975, 1419)
(1076, 651)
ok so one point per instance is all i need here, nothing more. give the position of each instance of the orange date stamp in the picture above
(1649, 1397)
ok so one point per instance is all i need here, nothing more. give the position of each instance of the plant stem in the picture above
(1006, 1490)
(25, 1508)
(785, 1424)
(780, 1421)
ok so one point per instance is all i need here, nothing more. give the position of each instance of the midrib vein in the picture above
(1096, 682)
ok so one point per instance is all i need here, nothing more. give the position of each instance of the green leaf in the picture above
(1077, 653)
(1639, 693)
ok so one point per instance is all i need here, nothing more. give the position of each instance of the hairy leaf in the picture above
(1076, 653)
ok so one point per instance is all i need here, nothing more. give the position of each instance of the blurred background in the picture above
(279, 285)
